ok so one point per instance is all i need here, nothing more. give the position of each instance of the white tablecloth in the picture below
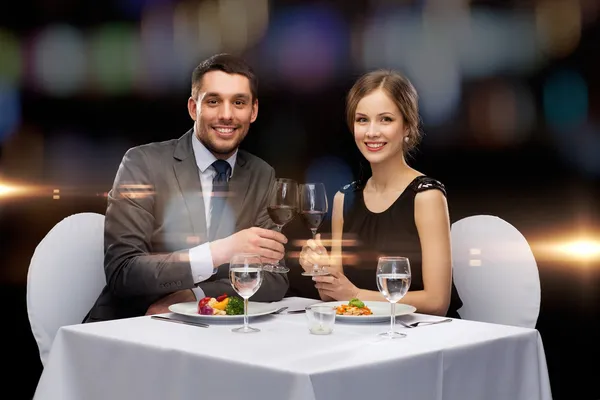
(142, 358)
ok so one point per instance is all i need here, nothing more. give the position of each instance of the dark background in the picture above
(509, 97)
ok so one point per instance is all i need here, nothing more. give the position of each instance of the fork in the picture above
(415, 324)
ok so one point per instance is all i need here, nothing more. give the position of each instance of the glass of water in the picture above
(321, 319)
(246, 275)
(393, 281)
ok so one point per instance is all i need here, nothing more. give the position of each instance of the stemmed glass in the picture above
(282, 208)
(313, 207)
(393, 281)
(245, 274)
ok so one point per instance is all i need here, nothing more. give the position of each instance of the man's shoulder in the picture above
(153, 151)
(254, 162)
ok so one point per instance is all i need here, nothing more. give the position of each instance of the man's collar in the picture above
(204, 158)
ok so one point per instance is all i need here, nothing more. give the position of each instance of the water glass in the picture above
(393, 281)
(320, 319)
(245, 274)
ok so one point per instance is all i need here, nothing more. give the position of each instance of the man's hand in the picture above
(161, 306)
(266, 243)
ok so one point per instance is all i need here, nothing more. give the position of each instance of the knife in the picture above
(178, 321)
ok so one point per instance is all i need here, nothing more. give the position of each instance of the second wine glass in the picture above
(282, 208)
(313, 208)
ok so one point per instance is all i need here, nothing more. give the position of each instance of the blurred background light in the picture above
(133, 9)
(114, 58)
(559, 24)
(501, 114)
(59, 60)
(10, 110)
(157, 50)
(10, 58)
(306, 47)
(492, 43)
(565, 99)
(202, 29)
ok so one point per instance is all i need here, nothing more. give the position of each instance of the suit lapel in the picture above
(188, 178)
(238, 188)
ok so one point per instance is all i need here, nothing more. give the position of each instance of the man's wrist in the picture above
(216, 250)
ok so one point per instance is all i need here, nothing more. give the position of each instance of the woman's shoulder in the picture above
(424, 183)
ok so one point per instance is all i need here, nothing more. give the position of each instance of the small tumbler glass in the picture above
(320, 319)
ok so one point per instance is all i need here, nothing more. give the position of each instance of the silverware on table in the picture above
(415, 324)
(297, 311)
(179, 321)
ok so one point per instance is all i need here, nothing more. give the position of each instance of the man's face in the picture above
(223, 111)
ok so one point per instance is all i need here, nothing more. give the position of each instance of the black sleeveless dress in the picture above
(393, 232)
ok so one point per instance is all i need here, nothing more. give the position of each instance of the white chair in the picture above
(65, 276)
(495, 272)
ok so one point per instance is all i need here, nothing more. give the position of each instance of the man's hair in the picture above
(229, 64)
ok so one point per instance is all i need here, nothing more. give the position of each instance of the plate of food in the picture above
(356, 310)
(223, 307)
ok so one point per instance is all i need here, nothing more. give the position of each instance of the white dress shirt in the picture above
(200, 256)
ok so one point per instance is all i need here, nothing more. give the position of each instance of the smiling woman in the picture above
(397, 212)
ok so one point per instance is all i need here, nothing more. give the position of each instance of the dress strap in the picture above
(423, 183)
(350, 191)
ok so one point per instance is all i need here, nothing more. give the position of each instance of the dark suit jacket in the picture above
(156, 213)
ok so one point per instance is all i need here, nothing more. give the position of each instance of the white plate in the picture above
(381, 311)
(255, 309)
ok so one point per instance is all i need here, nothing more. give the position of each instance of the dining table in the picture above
(154, 359)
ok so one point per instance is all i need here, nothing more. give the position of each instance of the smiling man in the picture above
(178, 210)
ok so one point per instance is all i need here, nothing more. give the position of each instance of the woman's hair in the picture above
(400, 91)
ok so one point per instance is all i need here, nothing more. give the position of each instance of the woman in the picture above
(397, 211)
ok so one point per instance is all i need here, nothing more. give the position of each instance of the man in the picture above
(178, 210)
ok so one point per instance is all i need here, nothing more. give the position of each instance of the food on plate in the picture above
(222, 305)
(235, 306)
(354, 307)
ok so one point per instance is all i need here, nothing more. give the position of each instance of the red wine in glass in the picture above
(313, 207)
(313, 219)
(281, 214)
(282, 208)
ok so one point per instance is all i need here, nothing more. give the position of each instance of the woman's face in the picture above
(379, 128)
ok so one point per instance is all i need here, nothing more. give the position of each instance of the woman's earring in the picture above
(406, 139)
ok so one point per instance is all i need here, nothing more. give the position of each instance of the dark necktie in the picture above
(219, 194)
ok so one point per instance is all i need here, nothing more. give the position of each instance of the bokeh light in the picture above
(10, 109)
(306, 47)
(59, 60)
(10, 58)
(114, 56)
(559, 24)
(565, 98)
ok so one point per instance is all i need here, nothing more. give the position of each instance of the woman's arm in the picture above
(433, 225)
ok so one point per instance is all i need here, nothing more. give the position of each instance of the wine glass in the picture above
(313, 207)
(245, 274)
(393, 281)
(282, 208)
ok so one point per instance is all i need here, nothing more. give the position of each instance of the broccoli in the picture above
(356, 303)
(235, 306)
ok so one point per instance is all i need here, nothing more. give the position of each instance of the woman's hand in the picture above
(313, 253)
(337, 286)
